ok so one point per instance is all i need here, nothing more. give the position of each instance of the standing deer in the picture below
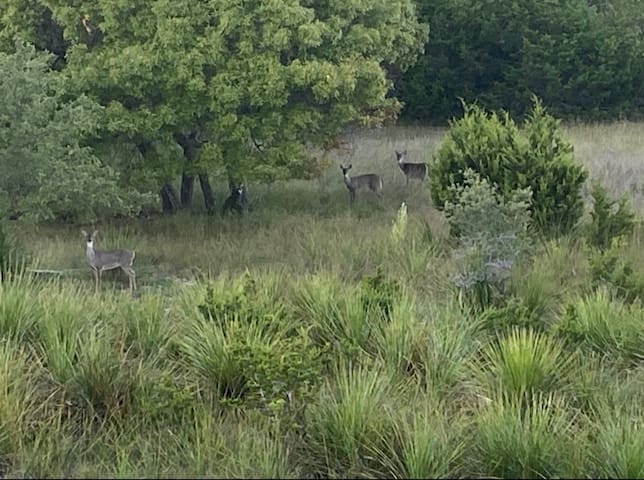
(411, 170)
(369, 180)
(101, 260)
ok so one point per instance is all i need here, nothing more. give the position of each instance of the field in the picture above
(305, 340)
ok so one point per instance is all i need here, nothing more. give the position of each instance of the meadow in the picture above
(306, 339)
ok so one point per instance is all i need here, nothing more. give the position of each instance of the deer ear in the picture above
(351, 165)
(95, 233)
(84, 233)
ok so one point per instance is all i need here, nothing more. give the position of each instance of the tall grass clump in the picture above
(12, 257)
(452, 338)
(343, 317)
(18, 401)
(107, 375)
(515, 440)
(350, 423)
(616, 447)
(19, 312)
(605, 324)
(524, 363)
(425, 444)
(148, 325)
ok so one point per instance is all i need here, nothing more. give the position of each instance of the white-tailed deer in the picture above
(237, 200)
(101, 260)
(370, 180)
(411, 170)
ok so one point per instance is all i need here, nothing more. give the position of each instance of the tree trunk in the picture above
(208, 197)
(190, 146)
(187, 183)
(169, 201)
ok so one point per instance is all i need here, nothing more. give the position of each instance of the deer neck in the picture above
(347, 181)
(90, 252)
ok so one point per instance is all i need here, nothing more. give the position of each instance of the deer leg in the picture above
(129, 271)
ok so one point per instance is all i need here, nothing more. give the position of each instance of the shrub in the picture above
(249, 349)
(492, 233)
(514, 313)
(609, 269)
(608, 223)
(537, 158)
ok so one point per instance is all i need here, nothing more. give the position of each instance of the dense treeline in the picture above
(583, 58)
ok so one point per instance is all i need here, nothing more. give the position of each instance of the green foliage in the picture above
(343, 430)
(605, 325)
(380, 292)
(258, 81)
(492, 233)
(48, 171)
(608, 223)
(584, 62)
(523, 364)
(18, 399)
(617, 444)
(535, 158)
(518, 442)
(341, 317)
(11, 256)
(513, 313)
(252, 352)
(610, 269)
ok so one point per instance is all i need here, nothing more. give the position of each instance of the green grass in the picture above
(309, 340)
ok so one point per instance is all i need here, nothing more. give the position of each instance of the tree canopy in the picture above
(240, 87)
(48, 170)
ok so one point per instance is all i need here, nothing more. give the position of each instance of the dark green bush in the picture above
(253, 352)
(537, 157)
(608, 222)
(514, 313)
(609, 269)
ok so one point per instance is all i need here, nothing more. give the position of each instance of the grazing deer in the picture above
(101, 260)
(237, 200)
(369, 180)
(411, 170)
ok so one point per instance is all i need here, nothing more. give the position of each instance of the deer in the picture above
(101, 260)
(411, 170)
(237, 200)
(370, 180)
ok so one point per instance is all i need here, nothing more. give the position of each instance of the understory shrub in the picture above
(610, 219)
(492, 236)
